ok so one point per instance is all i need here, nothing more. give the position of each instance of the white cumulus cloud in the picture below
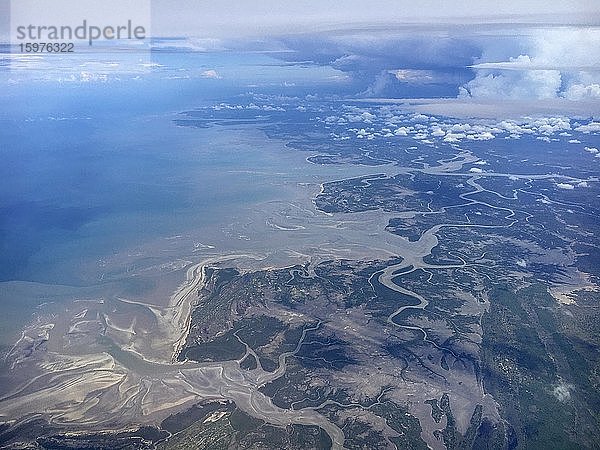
(592, 127)
(559, 62)
(211, 73)
(566, 186)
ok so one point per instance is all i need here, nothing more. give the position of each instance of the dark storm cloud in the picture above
(395, 65)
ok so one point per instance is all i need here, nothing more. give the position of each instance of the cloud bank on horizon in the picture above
(533, 50)
(536, 63)
(528, 50)
(242, 18)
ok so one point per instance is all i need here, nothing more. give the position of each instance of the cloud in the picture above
(568, 48)
(532, 62)
(537, 84)
(563, 391)
(389, 63)
(557, 62)
(566, 186)
(390, 118)
(415, 76)
(582, 92)
(584, 85)
(189, 44)
(211, 73)
(592, 127)
(269, 17)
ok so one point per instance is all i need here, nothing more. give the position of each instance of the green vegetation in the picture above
(221, 348)
(224, 426)
(407, 426)
(249, 363)
(525, 360)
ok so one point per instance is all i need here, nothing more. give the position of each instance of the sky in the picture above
(528, 51)
(534, 49)
(267, 17)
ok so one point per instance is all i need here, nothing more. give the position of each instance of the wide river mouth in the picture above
(105, 207)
